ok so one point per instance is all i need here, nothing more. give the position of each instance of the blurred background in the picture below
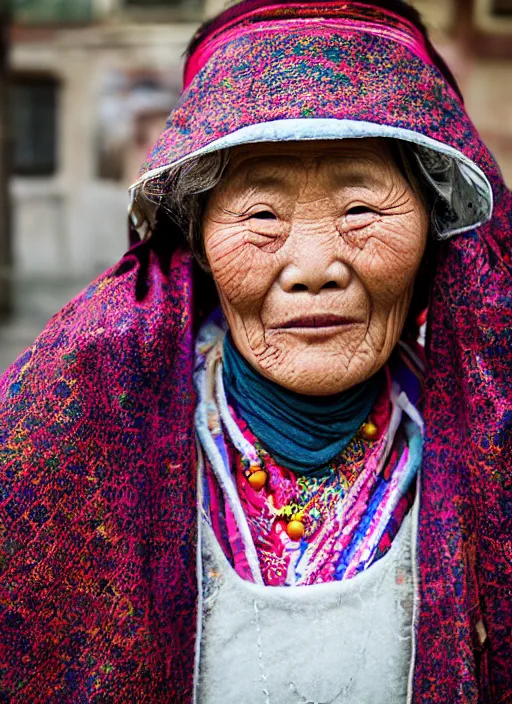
(85, 88)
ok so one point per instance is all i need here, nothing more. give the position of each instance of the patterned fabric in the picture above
(247, 83)
(304, 433)
(351, 515)
(97, 496)
(97, 490)
(278, 77)
(350, 16)
(322, 556)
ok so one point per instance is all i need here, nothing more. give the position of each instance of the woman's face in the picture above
(314, 248)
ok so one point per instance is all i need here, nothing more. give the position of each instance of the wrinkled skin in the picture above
(314, 248)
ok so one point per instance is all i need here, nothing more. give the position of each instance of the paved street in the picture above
(35, 301)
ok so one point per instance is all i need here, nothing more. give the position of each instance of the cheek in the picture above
(388, 261)
(241, 271)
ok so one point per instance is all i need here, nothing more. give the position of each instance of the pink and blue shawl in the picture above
(98, 592)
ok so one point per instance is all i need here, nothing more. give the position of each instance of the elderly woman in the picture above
(230, 472)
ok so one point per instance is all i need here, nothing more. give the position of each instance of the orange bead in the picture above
(369, 431)
(258, 479)
(295, 530)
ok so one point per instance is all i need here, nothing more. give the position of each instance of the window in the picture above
(502, 8)
(40, 12)
(153, 3)
(165, 9)
(34, 126)
(160, 3)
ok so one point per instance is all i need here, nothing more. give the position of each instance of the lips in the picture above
(316, 321)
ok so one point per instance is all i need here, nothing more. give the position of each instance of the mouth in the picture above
(316, 323)
(315, 326)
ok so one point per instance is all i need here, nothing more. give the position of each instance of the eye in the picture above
(264, 215)
(359, 210)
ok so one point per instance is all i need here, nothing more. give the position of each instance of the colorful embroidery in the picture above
(97, 488)
(348, 517)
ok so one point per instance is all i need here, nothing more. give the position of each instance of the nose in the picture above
(314, 272)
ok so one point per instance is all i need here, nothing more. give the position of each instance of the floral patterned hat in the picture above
(329, 70)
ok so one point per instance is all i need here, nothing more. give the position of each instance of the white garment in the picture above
(347, 641)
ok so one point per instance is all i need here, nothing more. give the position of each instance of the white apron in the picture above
(347, 641)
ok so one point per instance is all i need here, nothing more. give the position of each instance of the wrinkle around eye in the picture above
(358, 220)
(264, 229)
(266, 241)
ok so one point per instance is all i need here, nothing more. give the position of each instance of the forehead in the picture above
(269, 161)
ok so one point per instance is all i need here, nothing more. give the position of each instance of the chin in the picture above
(316, 373)
(323, 366)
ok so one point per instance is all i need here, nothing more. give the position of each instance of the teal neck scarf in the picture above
(303, 433)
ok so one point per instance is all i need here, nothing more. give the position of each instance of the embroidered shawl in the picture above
(98, 594)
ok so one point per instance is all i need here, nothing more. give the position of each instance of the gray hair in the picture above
(184, 194)
(185, 189)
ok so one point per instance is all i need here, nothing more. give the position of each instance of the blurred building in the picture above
(475, 38)
(93, 81)
(92, 84)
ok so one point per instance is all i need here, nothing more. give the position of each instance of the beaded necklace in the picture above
(304, 514)
(361, 520)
